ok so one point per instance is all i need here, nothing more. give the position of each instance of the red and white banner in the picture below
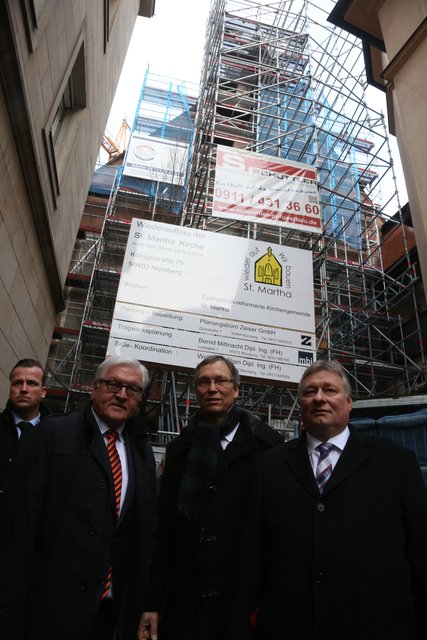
(255, 187)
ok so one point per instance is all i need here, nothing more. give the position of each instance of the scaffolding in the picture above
(280, 80)
(165, 110)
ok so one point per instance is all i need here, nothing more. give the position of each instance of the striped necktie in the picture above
(324, 464)
(116, 470)
(116, 465)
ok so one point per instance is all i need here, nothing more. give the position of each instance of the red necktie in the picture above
(116, 470)
(116, 465)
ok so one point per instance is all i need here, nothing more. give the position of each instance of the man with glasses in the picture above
(203, 500)
(81, 541)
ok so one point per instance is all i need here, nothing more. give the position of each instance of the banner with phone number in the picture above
(258, 188)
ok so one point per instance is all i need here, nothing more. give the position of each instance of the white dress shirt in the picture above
(225, 441)
(339, 441)
(121, 450)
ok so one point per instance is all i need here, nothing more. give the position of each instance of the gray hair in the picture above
(118, 361)
(327, 365)
(215, 358)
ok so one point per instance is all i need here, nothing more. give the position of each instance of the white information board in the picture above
(186, 293)
(259, 188)
(156, 158)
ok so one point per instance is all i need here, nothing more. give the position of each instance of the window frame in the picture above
(64, 117)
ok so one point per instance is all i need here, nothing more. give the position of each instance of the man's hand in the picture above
(147, 627)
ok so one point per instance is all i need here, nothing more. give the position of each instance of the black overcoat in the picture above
(350, 563)
(65, 533)
(9, 445)
(198, 560)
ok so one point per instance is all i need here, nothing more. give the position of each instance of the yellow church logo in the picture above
(268, 269)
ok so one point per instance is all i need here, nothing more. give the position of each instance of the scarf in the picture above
(202, 463)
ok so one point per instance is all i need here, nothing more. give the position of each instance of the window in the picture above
(66, 116)
(36, 13)
(74, 96)
(110, 12)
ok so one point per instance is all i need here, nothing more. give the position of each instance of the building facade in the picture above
(394, 36)
(60, 63)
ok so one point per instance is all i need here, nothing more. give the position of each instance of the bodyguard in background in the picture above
(341, 528)
(23, 411)
(203, 499)
(81, 537)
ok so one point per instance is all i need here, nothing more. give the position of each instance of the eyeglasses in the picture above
(205, 383)
(132, 390)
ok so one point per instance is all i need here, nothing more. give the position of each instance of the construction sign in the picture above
(185, 293)
(254, 187)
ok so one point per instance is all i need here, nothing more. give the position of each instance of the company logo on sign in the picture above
(144, 152)
(305, 357)
(267, 274)
(268, 269)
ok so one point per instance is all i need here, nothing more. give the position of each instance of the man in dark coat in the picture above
(341, 529)
(24, 409)
(82, 537)
(203, 500)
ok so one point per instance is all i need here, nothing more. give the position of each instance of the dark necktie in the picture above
(24, 427)
(116, 470)
(324, 464)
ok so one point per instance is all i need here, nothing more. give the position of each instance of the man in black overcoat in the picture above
(340, 532)
(203, 501)
(24, 410)
(81, 536)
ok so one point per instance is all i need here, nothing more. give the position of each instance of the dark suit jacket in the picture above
(350, 563)
(65, 534)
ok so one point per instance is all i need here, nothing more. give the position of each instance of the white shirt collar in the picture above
(339, 441)
(18, 419)
(229, 437)
(103, 426)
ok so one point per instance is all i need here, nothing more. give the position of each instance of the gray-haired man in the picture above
(82, 536)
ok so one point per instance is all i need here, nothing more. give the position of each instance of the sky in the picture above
(171, 43)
